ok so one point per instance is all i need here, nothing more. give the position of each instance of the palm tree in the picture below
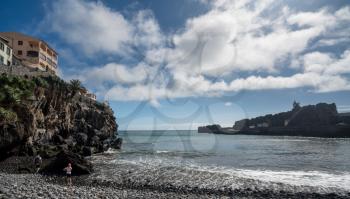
(75, 86)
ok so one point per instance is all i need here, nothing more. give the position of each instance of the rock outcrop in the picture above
(53, 117)
(55, 165)
(320, 120)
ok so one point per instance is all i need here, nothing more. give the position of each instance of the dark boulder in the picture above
(117, 143)
(81, 138)
(95, 141)
(87, 151)
(48, 151)
(70, 141)
(57, 139)
(58, 163)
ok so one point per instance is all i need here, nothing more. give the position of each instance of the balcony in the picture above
(32, 56)
(34, 45)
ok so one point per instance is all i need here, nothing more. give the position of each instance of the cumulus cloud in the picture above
(95, 28)
(327, 64)
(207, 56)
(91, 26)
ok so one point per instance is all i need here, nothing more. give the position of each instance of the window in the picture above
(20, 43)
(8, 51)
(42, 56)
(49, 61)
(2, 46)
(32, 53)
(8, 63)
(19, 52)
(1, 59)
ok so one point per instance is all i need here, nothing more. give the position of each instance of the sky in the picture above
(179, 64)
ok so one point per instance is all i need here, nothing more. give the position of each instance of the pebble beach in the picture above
(38, 186)
(35, 186)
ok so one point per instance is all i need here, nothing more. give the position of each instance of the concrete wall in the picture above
(23, 71)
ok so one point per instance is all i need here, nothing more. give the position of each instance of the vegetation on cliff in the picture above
(13, 91)
(46, 116)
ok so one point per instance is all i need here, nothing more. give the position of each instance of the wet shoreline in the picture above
(115, 179)
(38, 186)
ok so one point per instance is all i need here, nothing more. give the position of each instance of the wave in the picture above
(180, 173)
(163, 151)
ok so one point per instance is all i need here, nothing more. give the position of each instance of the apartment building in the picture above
(5, 52)
(32, 52)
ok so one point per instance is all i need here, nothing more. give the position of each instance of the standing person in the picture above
(38, 161)
(68, 171)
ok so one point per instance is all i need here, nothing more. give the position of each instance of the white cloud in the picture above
(94, 28)
(203, 57)
(333, 42)
(202, 87)
(327, 64)
(115, 74)
(148, 33)
(234, 37)
(91, 26)
(228, 104)
(321, 18)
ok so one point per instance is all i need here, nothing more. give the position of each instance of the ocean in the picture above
(216, 162)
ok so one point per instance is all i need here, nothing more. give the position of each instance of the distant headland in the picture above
(320, 120)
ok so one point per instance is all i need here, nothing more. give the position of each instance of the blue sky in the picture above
(166, 64)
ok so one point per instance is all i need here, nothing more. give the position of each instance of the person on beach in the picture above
(68, 171)
(38, 161)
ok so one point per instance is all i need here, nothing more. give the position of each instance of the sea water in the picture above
(212, 161)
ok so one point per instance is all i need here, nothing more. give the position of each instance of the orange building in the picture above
(32, 52)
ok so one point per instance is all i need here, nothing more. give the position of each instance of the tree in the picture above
(75, 86)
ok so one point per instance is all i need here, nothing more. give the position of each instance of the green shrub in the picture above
(14, 89)
(7, 116)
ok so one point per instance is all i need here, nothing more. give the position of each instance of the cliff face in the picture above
(311, 115)
(53, 118)
(320, 120)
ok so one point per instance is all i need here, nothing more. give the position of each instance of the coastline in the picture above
(16, 185)
(39, 186)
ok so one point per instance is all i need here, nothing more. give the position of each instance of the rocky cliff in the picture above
(46, 115)
(320, 120)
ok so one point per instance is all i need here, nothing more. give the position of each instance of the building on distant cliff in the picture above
(91, 95)
(263, 125)
(286, 122)
(5, 52)
(86, 93)
(32, 52)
